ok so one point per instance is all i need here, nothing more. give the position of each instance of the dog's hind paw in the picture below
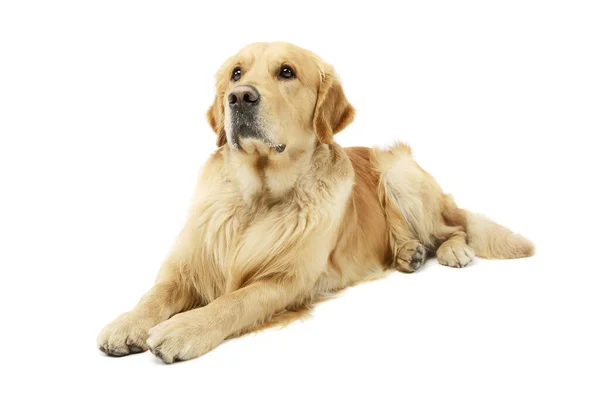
(410, 256)
(455, 256)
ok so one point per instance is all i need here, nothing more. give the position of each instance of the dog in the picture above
(282, 215)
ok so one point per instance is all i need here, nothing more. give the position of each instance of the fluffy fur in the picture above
(270, 231)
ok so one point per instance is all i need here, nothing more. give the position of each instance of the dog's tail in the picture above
(490, 240)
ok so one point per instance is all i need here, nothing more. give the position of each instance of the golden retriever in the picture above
(282, 215)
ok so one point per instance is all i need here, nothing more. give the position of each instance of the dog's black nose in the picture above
(243, 96)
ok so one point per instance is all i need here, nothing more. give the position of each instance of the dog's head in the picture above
(277, 96)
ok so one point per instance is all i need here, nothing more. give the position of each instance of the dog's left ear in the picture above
(216, 117)
(333, 112)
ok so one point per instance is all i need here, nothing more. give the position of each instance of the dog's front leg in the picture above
(127, 334)
(193, 333)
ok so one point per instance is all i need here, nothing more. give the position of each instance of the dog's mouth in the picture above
(250, 131)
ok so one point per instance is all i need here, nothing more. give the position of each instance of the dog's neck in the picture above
(266, 173)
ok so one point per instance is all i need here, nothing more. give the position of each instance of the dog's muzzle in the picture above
(243, 104)
(243, 101)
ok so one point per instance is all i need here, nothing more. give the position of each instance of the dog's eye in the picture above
(236, 74)
(286, 73)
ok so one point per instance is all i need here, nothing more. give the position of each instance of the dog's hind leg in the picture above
(397, 195)
(409, 256)
(455, 252)
(408, 253)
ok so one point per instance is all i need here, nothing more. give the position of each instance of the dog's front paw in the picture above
(125, 335)
(455, 256)
(183, 337)
(410, 256)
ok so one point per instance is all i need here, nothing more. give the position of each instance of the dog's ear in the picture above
(333, 112)
(216, 117)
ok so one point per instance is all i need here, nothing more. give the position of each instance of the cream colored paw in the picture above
(125, 335)
(410, 256)
(456, 257)
(182, 337)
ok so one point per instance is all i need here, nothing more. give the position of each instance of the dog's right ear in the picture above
(216, 117)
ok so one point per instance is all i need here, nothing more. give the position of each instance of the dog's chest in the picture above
(248, 226)
(228, 223)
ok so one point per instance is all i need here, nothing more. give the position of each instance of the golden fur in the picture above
(270, 231)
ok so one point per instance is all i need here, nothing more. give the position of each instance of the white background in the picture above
(103, 132)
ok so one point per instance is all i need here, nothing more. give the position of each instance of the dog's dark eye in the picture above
(236, 74)
(286, 73)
